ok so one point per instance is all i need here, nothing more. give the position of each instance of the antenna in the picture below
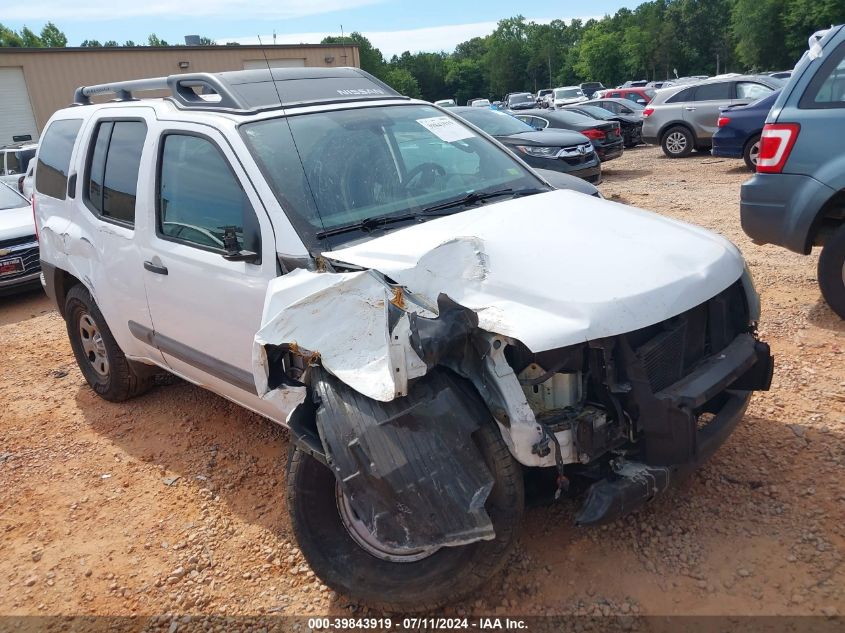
(290, 131)
(343, 46)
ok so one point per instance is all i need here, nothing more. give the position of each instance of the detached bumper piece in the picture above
(674, 443)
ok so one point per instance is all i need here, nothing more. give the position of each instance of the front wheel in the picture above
(832, 271)
(677, 142)
(343, 554)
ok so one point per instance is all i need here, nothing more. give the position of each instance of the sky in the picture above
(393, 26)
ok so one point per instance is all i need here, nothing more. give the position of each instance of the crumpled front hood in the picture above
(15, 223)
(557, 268)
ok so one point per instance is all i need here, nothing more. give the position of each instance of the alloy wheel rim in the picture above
(359, 533)
(676, 143)
(93, 346)
(754, 153)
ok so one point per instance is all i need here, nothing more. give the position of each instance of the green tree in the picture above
(110, 44)
(403, 82)
(155, 40)
(9, 38)
(52, 37)
(371, 58)
(30, 39)
(759, 33)
(129, 43)
(207, 41)
(91, 44)
(802, 18)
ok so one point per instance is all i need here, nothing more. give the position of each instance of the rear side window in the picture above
(751, 90)
(113, 169)
(713, 92)
(200, 199)
(54, 158)
(681, 97)
(827, 89)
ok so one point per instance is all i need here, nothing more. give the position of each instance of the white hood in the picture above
(558, 268)
(17, 222)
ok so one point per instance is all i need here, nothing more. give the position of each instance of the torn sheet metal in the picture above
(409, 468)
(342, 320)
(557, 268)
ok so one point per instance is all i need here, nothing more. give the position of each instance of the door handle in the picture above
(158, 270)
(689, 109)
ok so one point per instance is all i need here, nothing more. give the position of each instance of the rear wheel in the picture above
(832, 271)
(98, 355)
(752, 152)
(677, 142)
(344, 555)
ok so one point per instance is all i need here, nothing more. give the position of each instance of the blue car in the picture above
(739, 130)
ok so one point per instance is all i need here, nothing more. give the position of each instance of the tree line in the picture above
(51, 37)
(654, 41)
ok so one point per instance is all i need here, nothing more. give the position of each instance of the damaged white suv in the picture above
(430, 319)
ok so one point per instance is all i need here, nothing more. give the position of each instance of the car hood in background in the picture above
(557, 268)
(16, 222)
(547, 138)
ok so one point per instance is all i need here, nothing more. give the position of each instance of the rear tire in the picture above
(419, 584)
(98, 355)
(751, 152)
(677, 142)
(832, 271)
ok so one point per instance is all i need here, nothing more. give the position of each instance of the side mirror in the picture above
(233, 252)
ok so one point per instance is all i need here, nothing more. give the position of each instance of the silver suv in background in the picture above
(683, 118)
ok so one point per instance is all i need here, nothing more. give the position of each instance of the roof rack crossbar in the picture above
(179, 86)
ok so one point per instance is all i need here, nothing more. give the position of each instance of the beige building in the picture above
(35, 82)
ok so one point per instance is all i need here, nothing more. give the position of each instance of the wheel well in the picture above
(750, 139)
(669, 126)
(829, 218)
(63, 282)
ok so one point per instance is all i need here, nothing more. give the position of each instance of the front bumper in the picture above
(724, 382)
(610, 151)
(782, 209)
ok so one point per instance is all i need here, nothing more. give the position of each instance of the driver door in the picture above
(206, 309)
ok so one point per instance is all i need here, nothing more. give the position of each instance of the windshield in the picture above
(10, 200)
(568, 93)
(523, 98)
(340, 168)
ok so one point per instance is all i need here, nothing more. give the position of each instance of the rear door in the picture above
(703, 112)
(206, 309)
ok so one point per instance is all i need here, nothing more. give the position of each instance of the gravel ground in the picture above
(173, 502)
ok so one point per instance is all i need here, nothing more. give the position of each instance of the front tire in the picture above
(677, 142)
(751, 152)
(423, 581)
(832, 271)
(98, 355)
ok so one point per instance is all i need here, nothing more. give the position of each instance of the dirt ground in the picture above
(173, 502)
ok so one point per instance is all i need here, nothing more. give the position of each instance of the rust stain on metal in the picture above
(398, 298)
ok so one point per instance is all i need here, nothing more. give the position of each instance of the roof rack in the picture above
(250, 91)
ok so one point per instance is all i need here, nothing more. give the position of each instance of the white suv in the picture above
(427, 316)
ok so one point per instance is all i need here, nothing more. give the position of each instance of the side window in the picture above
(199, 197)
(54, 158)
(752, 91)
(720, 91)
(113, 169)
(682, 97)
(827, 89)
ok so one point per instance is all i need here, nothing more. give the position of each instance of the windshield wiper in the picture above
(371, 224)
(473, 196)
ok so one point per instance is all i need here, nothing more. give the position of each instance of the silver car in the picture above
(683, 118)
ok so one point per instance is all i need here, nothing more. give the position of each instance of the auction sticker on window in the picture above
(446, 128)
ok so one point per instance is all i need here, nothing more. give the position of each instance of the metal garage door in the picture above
(16, 117)
(257, 64)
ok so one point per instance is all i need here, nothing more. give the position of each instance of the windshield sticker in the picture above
(446, 128)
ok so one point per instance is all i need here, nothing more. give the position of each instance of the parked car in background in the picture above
(19, 258)
(479, 103)
(445, 103)
(606, 136)
(797, 197)
(25, 181)
(560, 180)
(14, 161)
(545, 97)
(566, 95)
(631, 126)
(559, 150)
(642, 96)
(637, 83)
(739, 130)
(683, 118)
(591, 87)
(520, 101)
(619, 106)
